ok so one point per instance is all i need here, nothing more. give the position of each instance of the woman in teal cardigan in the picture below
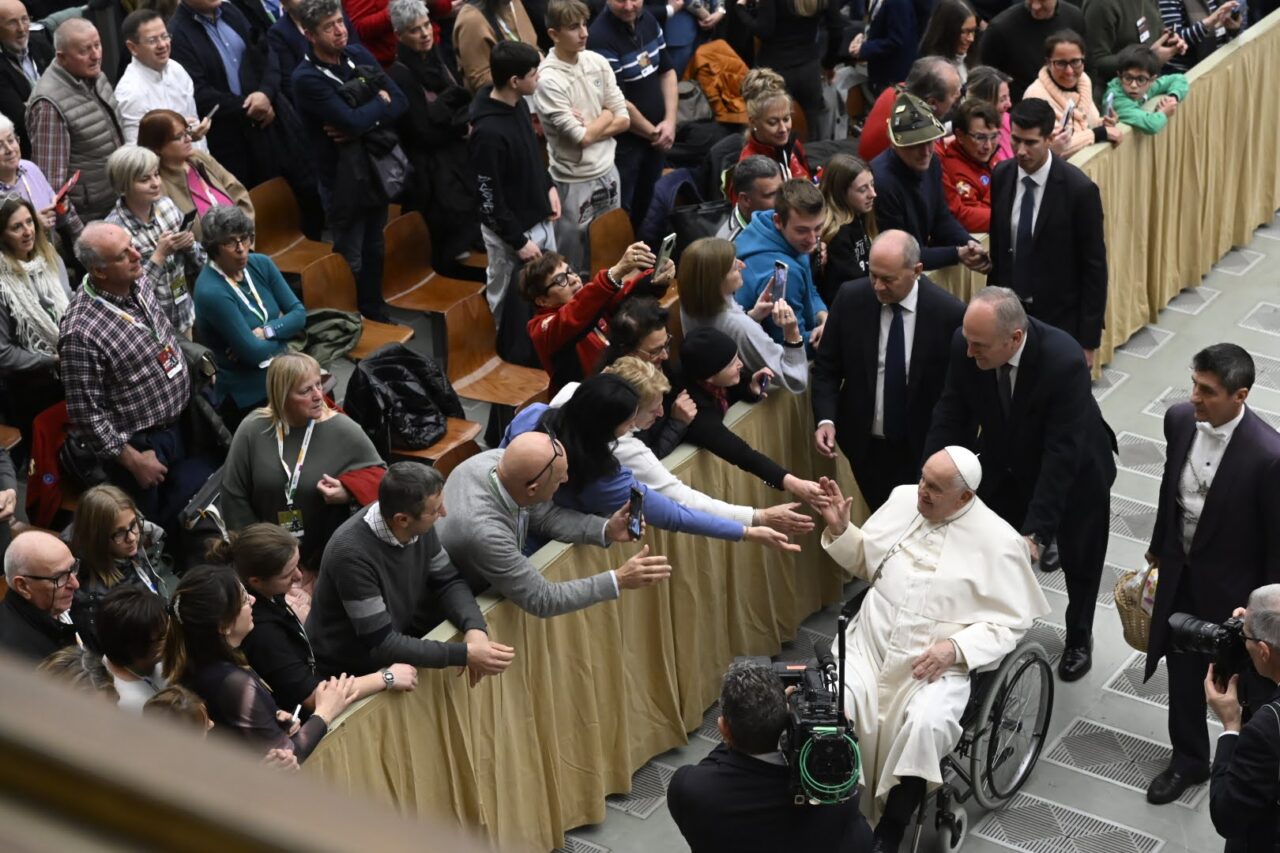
(245, 312)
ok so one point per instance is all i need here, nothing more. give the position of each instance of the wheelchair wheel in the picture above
(1013, 723)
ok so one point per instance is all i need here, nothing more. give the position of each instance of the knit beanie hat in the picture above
(705, 351)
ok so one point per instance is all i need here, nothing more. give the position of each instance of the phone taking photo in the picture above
(779, 289)
(1066, 116)
(664, 253)
(635, 524)
(188, 220)
(1109, 105)
(67, 187)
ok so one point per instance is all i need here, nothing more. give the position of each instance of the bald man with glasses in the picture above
(500, 498)
(35, 616)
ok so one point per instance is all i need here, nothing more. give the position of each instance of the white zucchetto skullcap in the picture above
(966, 462)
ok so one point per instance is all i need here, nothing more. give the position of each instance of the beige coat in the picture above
(174, 184)
(473, 38)
(968, 580)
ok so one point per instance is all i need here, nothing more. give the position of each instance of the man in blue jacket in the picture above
(331, 123)
(790, 233)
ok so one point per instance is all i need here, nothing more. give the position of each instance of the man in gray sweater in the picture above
(385, 581)
(499, 497)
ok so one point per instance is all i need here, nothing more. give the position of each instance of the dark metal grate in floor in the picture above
(1034, 825)
(1116, 756)
(1266, 371)
(573, 844)
(1141, 455)
(1052, 637)
(1193, 300)
(1127, 681)
(648, 790)
(1132, 519)
(709, 731)
(1145, 342)
(1057, 582)
(1110, 380)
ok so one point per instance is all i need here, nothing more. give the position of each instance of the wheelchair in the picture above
(1003, 727)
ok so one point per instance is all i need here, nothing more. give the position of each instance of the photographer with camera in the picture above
(1244, 794)
(1214, 541)
(740, 797)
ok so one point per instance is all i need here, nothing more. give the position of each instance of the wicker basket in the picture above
(1135, 621)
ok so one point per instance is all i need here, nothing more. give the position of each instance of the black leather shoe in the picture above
(1170, 784)
(888, 837)
(1076, 661)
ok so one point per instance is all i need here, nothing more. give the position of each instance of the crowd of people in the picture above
(137, 319)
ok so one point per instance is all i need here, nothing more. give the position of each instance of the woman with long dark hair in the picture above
(950, 33)
(588, 424)
(211, 614)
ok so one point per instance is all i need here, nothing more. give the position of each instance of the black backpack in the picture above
(401, 399)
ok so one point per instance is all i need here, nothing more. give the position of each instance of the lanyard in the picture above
(302, 632)
(261, 311)
(292, 487)
(122, 314)
(326, 72)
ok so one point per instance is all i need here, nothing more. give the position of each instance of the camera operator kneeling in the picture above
(739, 797)
(1244, 790)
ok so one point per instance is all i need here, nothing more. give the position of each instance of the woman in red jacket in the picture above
(769, 123)
(570, 327)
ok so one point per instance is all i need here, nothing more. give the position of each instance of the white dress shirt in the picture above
(1207, 446)
(908, 304)
(142, 90)
(1040, 176)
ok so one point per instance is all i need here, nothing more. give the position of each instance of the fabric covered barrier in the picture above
(593, 695)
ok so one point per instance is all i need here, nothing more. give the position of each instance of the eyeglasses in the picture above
(556, 453)
(60, 579)
(562, 279)
(657, 351)
(156, 41)
(121, 534)
(1136, 79)
(969, 31)
(245, 240)
(180, 137)
(1245, 636)
(982, 137)
(1064, 64)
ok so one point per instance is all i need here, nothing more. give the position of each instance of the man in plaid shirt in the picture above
(125, 377)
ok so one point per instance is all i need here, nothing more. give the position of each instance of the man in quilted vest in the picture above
(72, 119)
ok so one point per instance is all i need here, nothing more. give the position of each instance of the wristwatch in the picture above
(388, 678)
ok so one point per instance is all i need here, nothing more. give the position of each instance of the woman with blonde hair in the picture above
(171, 258)
(992, 85)
(115, 545)
(710, 274)
(297, 462)
(849, 191)
(34, 294)
(790, 32)
(650, 383)
(769, 123)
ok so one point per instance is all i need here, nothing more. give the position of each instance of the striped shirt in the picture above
(169, 281)
(638, 56)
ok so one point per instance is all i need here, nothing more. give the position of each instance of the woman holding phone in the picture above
(171, 258)
(24, 178)
(1065, 85)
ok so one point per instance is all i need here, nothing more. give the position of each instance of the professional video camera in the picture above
(1225, 643)
(818, 744)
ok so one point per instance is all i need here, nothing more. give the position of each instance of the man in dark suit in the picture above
(738, 797)
(1017, 391)
(1216, 537)
(876, 381)
(24, 59)
(1244, 794)
(1046, 231)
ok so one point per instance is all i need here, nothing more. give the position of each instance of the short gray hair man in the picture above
(1264, 615)
(312, 13)
(1010, 315)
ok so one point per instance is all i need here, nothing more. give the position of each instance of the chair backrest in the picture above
(471, 336)
(277, 221)
(610, 234)
(328, 283)
(408, 254)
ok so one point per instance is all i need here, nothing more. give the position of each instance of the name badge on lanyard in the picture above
(1144, 33)
(169, 358)
(289, 518)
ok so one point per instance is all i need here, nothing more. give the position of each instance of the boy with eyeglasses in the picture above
(1141, 96)
(967, 159)
(570, 326)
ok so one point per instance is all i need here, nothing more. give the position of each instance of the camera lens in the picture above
(1189, 634)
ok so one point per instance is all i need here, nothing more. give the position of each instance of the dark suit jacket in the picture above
(1236, 548)
(844, 373)
(1244, 791)
(914, 203)
(1053, 450)
(231, 139)
(1069, 287)
(15, 88)
(733, 801)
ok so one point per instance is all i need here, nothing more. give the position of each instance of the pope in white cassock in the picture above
(952, 590)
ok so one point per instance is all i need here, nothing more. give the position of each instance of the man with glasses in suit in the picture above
(500, 497)
(35, 618)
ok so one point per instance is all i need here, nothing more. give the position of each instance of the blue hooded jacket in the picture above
(759, 245)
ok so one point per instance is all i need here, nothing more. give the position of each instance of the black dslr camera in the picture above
(818, 744)
(1224, 643)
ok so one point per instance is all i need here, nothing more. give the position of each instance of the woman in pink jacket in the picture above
(1062, 82)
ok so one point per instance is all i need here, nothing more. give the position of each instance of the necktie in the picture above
(1004, 380)
(1022, 247)
(895, 378)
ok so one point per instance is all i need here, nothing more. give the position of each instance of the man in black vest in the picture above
(876, 381)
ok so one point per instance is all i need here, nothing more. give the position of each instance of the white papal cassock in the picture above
(968, 579)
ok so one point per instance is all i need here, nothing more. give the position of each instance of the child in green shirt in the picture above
(1140, 81)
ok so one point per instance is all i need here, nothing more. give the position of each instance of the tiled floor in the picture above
(1108, 734)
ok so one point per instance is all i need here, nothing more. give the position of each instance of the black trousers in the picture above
(881, 467)
(639, 167)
